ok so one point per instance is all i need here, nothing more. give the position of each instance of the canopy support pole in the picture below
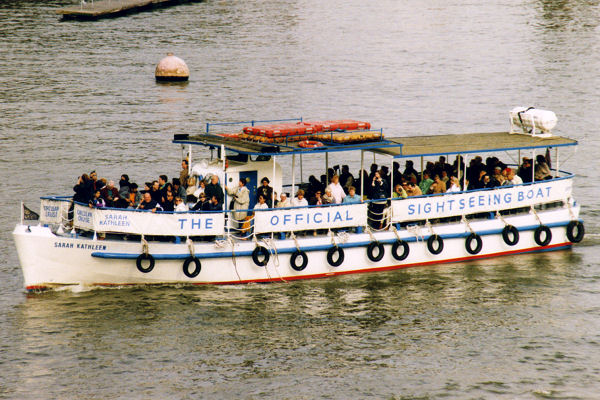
(465, 175)
(273, 191)
(422, 171)
(326, 168)
(189, 162)
(391, 178)
(533, 165)
(293, 175)
(301, 174)
(362, 176)
(556, 169)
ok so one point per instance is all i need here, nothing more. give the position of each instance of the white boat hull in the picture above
(50, 260)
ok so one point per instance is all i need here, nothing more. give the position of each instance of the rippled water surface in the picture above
(78, 96)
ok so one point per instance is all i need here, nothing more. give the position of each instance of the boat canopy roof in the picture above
(397, 147)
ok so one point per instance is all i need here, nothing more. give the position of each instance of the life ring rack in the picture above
(309, 144)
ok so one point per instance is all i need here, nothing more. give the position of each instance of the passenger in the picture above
(425, 183)
(184, 175)
(284, 201)
(299, 200)
(201, 188)
(191, 201)
(399, 192)
(542, 170)
(169, 203)
(155, 192)
(454, 185)
(97, 201)
(314, 186)
(134, 196)
(179, 190)
(190, 186)
(489, 183)
(214, 189)
(525, 171)
(94, 179)
(337, 191)
(498, 175)
(374, 170)
(261, 204)
(444, 177)
(385, 173)
(346, 178)
(124, 186)
(266, 191)
(458, 166)
(438, 186)
(396, 174)
(379, 191)
(149, 204)
(352, 197)
(413, 190)
(328, 197)
(410, 170)
(214, 204)
(317, 199)
(241, 201)
(110, 194)
(202, 204)
(512, 178)
(83, 190)
(180, 206)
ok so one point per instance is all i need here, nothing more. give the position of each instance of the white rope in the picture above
(144, 246)
(430, 227)
(343, 237)
(220, 244)
(415, 230)
(536, 215)
(396, 232)
(295, 240)
(464, 221)
(501, 218)
(329, 233)
(368, 230)
(233, 258)
(190, 247)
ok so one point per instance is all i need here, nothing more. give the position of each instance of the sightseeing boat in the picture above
(113, 247)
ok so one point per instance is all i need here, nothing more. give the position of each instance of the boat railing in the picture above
(376, 214)
(251, 122)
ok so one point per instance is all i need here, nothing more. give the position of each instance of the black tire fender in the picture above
(405, 250)
(537, 235)
(580, 231)
(138, 263)
(257, 253)
(197, 267)
(432, 239)
(507, 231)
(469, 241)
(380, 251)
(332, 250)
(294, 258)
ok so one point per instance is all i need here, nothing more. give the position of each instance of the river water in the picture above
(78, 96)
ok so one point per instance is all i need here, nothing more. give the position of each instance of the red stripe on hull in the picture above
(333, 273)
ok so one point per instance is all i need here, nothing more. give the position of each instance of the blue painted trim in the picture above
(128, 256)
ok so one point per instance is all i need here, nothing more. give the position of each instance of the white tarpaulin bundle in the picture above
(306, 218)
(149, 223)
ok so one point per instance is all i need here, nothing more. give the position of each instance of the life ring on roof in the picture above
(309, 144)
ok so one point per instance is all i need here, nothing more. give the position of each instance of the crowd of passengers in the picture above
(339, 186)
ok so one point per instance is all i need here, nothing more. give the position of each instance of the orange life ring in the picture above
(309, 144)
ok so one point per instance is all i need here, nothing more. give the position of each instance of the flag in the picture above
(29, 215)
